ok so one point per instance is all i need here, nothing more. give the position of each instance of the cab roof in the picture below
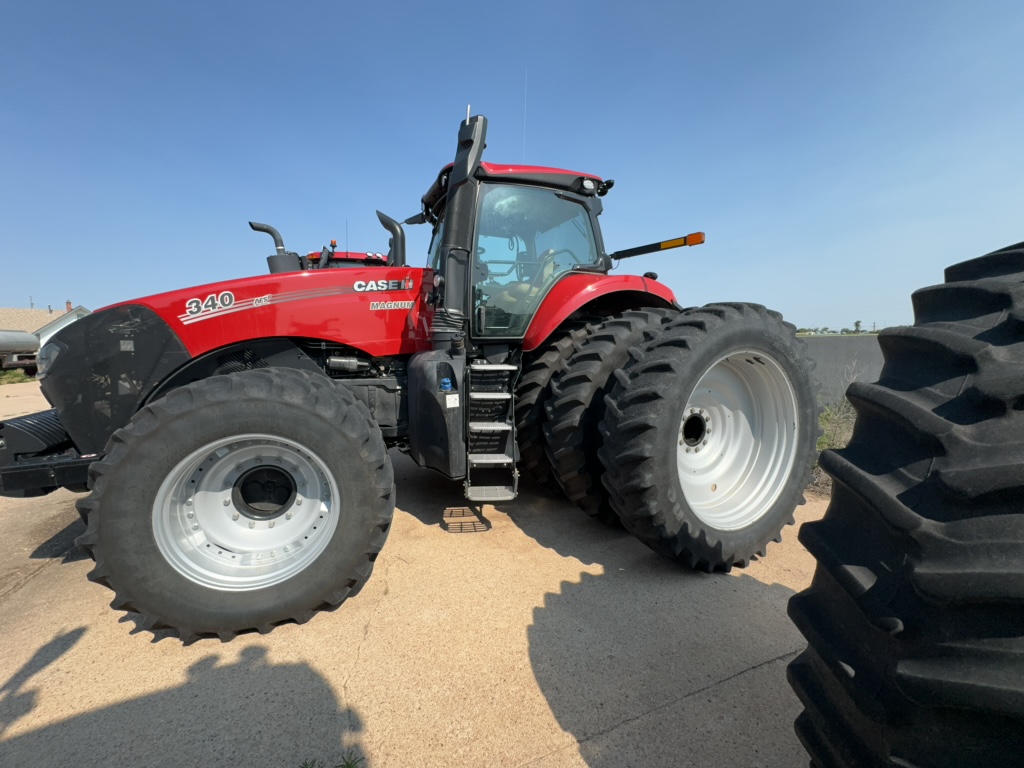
(539, 175)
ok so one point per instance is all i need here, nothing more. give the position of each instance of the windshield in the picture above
(434, 251)
(526, 239)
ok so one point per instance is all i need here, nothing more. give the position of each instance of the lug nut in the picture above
(227, 502)
(705, 442)
(195, 527)
(288, 516)
(234, 516)
(270, 525)
(687, 450)
(252, 524)
(298, 502)
(696, 450)
(190, 515)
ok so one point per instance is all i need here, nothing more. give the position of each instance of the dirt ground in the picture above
(522, 634)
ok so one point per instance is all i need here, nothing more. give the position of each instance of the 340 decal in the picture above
(212, 303)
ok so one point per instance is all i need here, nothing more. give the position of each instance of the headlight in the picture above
(46, 357)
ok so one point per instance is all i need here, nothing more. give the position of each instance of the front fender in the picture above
(606, 292)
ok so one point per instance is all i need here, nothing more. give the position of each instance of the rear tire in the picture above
(709, 435)
(238, 503)
(915, 616)
(576, 406)
(533, 390)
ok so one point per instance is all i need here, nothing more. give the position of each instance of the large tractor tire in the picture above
(576, 406)
(915, 616)
(238, 503)
(533, 390)
(709, 435)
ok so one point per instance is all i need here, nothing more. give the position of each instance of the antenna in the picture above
(467, 114)
(526, 77)
(346, 236)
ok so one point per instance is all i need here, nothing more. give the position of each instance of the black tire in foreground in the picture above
(576, 406)
(533, 390)
(709, 435)
(915, 616)
(238, 503)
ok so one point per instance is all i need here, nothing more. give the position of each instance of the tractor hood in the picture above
(363, 307)
(99, 371)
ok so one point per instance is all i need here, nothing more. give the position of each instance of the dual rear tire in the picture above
(694, 430)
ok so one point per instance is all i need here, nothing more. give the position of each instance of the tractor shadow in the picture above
(652, 664)
(61, 545)
(245, 713)
(647, 667)
(649, 663)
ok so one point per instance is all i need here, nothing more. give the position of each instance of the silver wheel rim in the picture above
(737, 440)
(208, 531)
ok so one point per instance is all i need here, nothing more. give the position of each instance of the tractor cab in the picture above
(526, 239)
(503, 238)
(519, 230)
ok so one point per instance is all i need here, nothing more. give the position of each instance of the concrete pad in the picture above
(522, 634)
(21, 399)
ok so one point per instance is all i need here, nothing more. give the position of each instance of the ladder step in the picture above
(489, 426)
(476, 459)
(490, 396)
(490, 493)
(492, 367)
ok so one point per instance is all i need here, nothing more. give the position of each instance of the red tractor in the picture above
(234, 437)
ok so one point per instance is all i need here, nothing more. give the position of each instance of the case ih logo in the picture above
(383, 285)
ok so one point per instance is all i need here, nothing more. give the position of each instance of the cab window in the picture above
(526, 239)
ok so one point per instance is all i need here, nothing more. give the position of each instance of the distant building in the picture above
(41, 323)
(65, 319)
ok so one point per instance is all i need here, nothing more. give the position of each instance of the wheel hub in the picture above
(737, 439)
(245, 512)
(263, 492)
(695, 427)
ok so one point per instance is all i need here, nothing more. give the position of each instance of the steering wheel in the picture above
(549, 256)
(551, 253)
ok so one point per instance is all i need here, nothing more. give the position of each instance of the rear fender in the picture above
(599, 293)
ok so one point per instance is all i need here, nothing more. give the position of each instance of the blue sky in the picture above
(838, 155)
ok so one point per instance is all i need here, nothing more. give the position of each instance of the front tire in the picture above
(238, 503)
(709, 435)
